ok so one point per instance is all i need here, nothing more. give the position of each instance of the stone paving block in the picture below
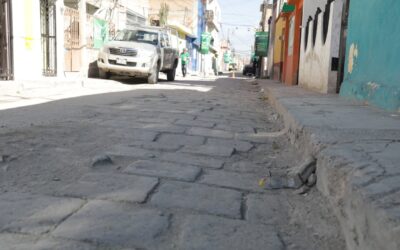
(382, 187)
(27, 242)
(34, 214)
(181, 140)
(209, 150)
(268, 208)
(244, 181)
(206, 115)
(177, 116)
(134, 152)
(155, 120)
(195, 123)
(210, 133)
(184, 172)
(115, 224)
(116, 187)
(197, 160)
(241, 146)
(155, 145)
(198, 197)
(137, 134)
(165, 128)
(246, 167)
(210, 232)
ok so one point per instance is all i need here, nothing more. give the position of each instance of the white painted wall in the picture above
(315, 62)
(27, 39)
(26, 42)
(310, 7)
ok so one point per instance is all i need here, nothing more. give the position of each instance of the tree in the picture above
(163, 14)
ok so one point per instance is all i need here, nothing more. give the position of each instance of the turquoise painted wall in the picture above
(372, 70)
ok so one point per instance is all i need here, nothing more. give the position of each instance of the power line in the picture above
(238, 25)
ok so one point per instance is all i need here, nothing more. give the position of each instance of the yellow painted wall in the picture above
(279, 28)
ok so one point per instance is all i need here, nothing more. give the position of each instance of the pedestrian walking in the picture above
(184, 61)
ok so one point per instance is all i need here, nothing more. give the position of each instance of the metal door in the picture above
(6, 57)
(72, 54)
(48, 32)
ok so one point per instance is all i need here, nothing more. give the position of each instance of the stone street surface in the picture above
(169, 166)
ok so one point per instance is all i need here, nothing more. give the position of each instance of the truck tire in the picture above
(103, 74)
(153, 77)
(171, 74)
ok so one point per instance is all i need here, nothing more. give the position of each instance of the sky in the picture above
(239, 19)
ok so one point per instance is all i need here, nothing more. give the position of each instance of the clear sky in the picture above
(239, 19)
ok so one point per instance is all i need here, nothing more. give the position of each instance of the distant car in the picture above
(248, 70)
(139, 52)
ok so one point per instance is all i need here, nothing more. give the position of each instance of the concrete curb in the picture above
(357, 150)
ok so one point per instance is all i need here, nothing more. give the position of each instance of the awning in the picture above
(181, 28)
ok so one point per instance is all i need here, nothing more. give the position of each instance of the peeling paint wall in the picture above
(372, 70)
(318, 59)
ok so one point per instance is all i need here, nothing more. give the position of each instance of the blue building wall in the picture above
(372, 69)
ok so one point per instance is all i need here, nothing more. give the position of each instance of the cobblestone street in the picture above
(169, 166)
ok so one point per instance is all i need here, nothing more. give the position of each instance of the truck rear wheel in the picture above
(171, 74)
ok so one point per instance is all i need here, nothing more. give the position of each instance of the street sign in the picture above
(287, 8)
(262, 42)
(205, 42)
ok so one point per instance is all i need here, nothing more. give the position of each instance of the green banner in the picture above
(262, 42)
(205, 42)
(100, 33)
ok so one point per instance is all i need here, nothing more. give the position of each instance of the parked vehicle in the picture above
(248, 70)
(140, 52)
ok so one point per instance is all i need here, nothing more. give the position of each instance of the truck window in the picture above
(141, 36)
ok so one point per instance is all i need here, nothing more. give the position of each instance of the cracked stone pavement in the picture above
(170, 166)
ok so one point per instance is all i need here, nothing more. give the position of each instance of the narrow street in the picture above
(174, 165)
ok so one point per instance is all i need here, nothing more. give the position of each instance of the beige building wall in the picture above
(183, 12)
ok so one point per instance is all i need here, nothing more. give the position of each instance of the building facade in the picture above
(183, 17)
(30, 36)
(319, 53)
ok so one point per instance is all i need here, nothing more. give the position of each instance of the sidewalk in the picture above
(358, 153)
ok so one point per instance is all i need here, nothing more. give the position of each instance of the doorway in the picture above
(342, 48)
(48, 37)
(6, 48)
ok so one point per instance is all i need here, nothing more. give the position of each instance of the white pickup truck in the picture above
(140, 52)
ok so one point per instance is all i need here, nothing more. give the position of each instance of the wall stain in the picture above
(353, 54)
